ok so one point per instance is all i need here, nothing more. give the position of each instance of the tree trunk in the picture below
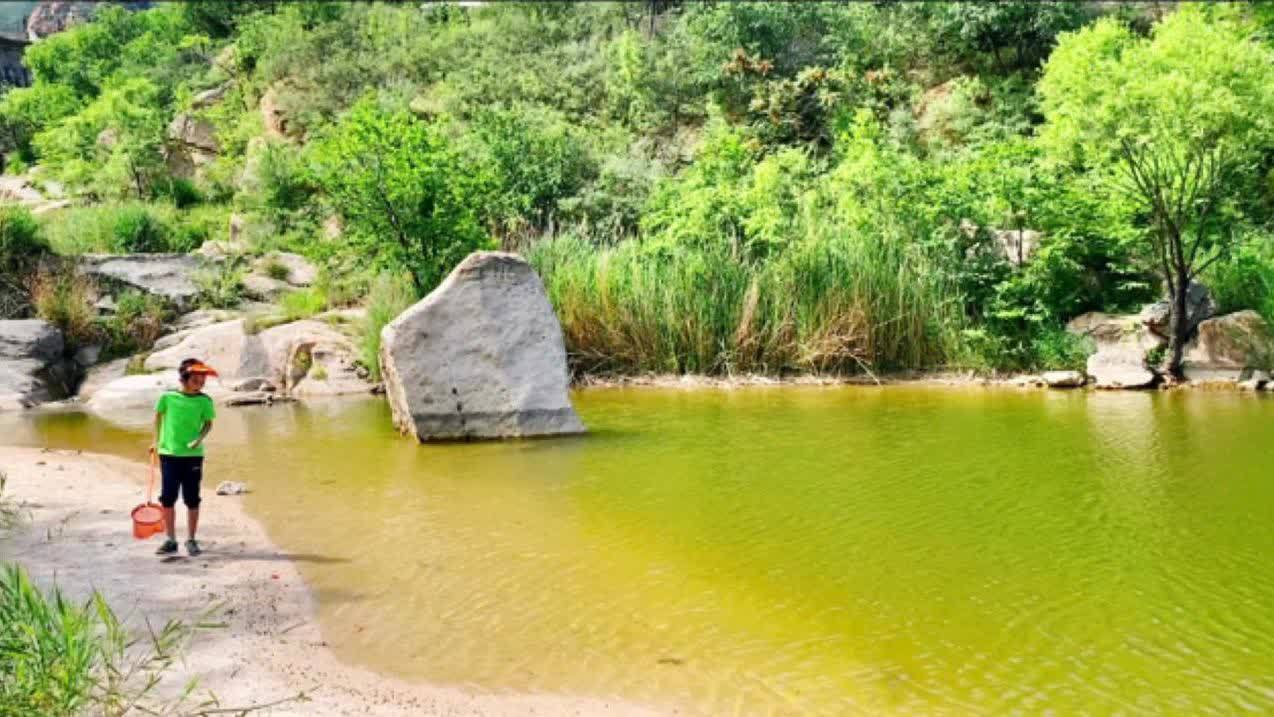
(1178, 327)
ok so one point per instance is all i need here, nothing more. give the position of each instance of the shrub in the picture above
(137, 323)
(277, 270)
(66, 299)
(221, 287)
(389, 296)
(182, 192)
(137, 230)
(22, 246)
(303, 303)
(1246, 279)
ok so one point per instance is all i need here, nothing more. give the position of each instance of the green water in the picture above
(795, 551)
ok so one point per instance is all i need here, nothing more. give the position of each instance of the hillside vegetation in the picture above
(704, 187)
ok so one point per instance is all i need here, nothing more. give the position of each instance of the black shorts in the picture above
(181, 473)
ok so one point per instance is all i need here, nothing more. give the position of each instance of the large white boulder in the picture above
(32, 368)
(480, 357)
(1123, 345)
(1229, 348)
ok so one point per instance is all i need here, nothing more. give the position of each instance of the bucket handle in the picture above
(150, 479)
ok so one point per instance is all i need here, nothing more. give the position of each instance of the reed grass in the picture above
(835, 304)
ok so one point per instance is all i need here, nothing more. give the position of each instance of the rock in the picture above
(20, 189)
(208, 98)
(130, 400)
(230, 487)
(170, 276)
(106, 305)
(22, 385)
(107, 138)
(1028, 381)
(253, 385)
(260, 286)
(100, 375)
(1123, 343)
(288, 356)
(224, 346)
(1016, 245)
(480, 357)
(1229, 348)
(1258, 381)
(1063, 379)
(196, 134)
(273, 114)
(221, 249)
(255, 398)
(204, 317)
(234, 229)
(333, 228)
(1199, 307)
(29, 339)
(88, 355)
(300, 272)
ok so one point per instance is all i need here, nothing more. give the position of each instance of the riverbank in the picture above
(267, 647)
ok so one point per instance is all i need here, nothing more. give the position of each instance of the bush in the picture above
(66, 299)
(22, 246)
(182, 192)
(389, 296)
(137, 323)
(221, 287)
(1246, 279)
(303, 303)
(138, 231)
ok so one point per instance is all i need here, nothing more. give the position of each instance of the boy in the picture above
(182, 420)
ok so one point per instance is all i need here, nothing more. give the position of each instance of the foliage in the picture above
(137, 230)
(221, 287)
(402, 191)
(1178, 122)
(1245, 279)
(66, 299)
(303, 303)
(389, 296)
(22, 246)
(62, 659)
(135, 326)
(842, 304)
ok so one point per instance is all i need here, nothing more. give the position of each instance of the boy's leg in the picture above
(190, 494)
(170, 483)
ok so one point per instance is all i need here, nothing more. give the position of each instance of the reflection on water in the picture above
(787, 551)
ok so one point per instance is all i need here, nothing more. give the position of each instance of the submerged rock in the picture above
(1123, 344)
(1064, 379)
(481, 357)
(1229, 348)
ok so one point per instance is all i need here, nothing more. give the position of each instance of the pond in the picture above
(794, 551)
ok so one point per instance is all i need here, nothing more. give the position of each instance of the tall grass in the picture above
(128, 227)
(389, 296)
(837, 304)
(303, 303)
(60, 658)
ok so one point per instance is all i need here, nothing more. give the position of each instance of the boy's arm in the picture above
(159, 424)
(203, 433)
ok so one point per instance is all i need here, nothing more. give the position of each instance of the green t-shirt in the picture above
(184, 416)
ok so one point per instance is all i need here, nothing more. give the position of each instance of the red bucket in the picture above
(148, 520)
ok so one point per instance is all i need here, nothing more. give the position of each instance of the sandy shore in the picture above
(269, 648)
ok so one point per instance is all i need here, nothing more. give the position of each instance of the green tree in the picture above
(114, 147)
(1180, 122)
(404, 193)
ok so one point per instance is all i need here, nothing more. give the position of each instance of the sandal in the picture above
(192, 547)
(168, 548)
